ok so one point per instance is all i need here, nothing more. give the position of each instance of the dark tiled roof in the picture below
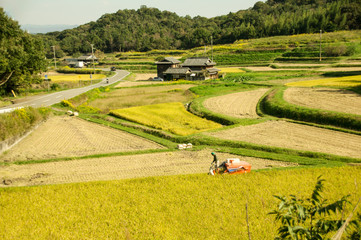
(168, 60)
(177, 71)
(198, 62)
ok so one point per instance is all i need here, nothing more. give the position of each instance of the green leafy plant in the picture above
(308, 218)
(355, 233)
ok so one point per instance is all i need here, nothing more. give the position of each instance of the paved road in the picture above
(50, 99)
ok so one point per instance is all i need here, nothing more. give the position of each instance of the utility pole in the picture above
(54, 56)
(212, 46)
(320, 44)
(91, 79)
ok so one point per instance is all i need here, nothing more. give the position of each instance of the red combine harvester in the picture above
(230, 166)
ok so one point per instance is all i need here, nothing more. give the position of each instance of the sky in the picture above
(78, 12)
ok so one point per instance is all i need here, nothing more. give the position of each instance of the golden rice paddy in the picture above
(349, 81)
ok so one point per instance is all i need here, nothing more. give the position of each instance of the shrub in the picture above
(307, 218)
(54, 86)
(335, 50)
(66, 103)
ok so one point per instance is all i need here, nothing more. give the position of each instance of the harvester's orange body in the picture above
(230, 166)
(237, 167)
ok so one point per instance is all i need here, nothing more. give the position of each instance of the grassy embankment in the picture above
(176, 207)
(20, 121)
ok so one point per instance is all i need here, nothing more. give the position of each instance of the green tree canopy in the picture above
(21, 55)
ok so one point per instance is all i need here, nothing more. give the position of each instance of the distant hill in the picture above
(149, 28)
(46, 28)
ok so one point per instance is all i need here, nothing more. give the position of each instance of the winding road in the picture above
(50, 99)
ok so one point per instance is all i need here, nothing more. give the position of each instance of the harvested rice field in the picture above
(295, 136)
(121, 167)
(73, 137)
(325, 98)
(239, 105)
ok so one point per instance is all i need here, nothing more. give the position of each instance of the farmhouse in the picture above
(195, 68)
(165, 64)
(81, 61)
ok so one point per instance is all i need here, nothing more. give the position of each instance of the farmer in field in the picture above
(219, 168)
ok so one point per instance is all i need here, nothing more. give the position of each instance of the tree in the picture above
(307, 218)
(21, 55)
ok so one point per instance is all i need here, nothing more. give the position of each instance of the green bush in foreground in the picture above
(308, 218)
(21, 120)
(175, 207)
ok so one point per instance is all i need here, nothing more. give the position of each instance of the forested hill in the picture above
(150, 28)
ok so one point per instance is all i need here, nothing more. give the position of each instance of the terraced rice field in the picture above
(239, 105)
(171, 117)
(132, 97)
(121, 167)
(295, 136)
(348, 81)
(325, 98)
(73, 137)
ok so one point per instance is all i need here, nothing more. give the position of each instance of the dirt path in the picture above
(239, 105)
(121, 167)
(295, 136)
(325, 98)
(68, 137)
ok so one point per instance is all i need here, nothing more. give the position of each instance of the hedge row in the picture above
(309, 59)
(275, 105)
(79, 70)
(126, 63)
(233, 59)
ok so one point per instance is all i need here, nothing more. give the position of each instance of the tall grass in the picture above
(21, 120)
(275, 105)
(175, 207)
